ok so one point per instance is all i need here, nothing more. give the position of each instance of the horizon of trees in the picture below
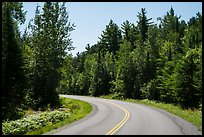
(140, 60)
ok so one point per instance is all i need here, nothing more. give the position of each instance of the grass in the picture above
(193, 116)
(79, 109)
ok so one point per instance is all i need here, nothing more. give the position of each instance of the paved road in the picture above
(111, 117)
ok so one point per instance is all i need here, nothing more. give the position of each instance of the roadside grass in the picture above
(72, 110)
(193, 116)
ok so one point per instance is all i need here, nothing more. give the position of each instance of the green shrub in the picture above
(33, 122)
(150, 91)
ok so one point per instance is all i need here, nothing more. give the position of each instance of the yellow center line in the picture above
(122, 122)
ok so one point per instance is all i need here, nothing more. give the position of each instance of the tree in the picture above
(110, 38)
(68, 72)
(188, 79)
(50, 33)
(100, 82)
(152, 53)
(83, 84)
(79, 61)
(193, 34)
(150, 91)
(13, 75)
(143, 23)
(126, 71)
(170, 23)
(130, 32)
(166, 82)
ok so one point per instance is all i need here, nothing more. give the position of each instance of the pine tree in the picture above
(110, 38)
(143, 23)
(130, 32)
(100, 83)
(13, 75)
(188, 79)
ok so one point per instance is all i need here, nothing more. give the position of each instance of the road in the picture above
(113, 117)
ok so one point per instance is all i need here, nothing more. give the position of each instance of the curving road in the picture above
(113, 117)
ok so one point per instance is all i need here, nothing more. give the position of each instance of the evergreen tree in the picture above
(13, 74)
(189, 79)
(110, 38)
(100, 83)
(130, 32)
(170, 23)
(143, 23)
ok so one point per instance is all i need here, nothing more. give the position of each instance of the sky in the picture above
(91, 18)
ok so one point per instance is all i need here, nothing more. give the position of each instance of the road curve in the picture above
(113, 117)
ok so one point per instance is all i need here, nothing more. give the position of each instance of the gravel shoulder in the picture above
(186, 127)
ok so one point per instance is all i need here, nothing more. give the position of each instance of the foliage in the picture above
(150, 90)
(50, 40)
(70, 111)
(144, 60)
(110, 38)
(143, 23)
(13, 74)
(100, 83)
(21, 126)
(189, 79)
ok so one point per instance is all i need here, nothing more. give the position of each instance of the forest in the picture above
(140, 60)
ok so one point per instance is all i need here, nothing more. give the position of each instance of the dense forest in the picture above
(140, 60)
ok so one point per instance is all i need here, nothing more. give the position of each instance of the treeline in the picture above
(31, 60)
(141, 60)
(161, 62)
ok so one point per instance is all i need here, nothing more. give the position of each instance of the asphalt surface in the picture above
(113, 117)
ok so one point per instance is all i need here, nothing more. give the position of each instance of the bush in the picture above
(33, 122)
(150, 91)
(117, 95)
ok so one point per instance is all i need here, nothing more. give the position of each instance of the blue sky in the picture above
(91, 18)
